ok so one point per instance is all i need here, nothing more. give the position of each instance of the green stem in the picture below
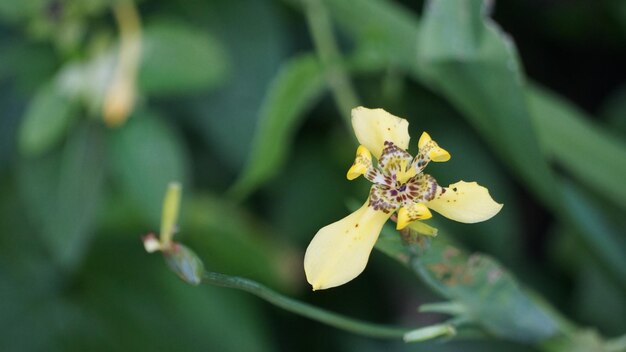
(330, 57)
(306, 310)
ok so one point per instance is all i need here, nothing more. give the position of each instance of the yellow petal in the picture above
(375, 126)
(466, 202)
(362, 163)
(339, 252)
(439, 155)
(424, 138)
(431, 149)
(409, 213)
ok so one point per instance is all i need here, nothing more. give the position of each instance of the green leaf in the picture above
(222, 234)
(386, 33)
(146, 155)
(468, 59)
(298, 85)
(256, 48)
(14, 11)
(597, 158)
(603, 238)
(491, 296)
(177, 58)
(63, 192)
(46, 121)
(614, 110)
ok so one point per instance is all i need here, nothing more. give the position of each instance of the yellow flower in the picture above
(339, 252)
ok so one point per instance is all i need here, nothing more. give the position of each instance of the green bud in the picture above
(185, 263)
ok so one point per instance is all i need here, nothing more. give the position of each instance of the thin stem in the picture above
(328, 52)
(306, 310)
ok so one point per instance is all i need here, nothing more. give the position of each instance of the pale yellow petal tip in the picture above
(316, 287)
(439, 155)
(424, 138)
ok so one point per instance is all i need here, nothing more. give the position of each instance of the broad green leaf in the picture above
(14, 11)
(146, 155)
(591, 154)
(386, 33)
(257, 40)
(63, 192)
(178, 58)
(468, 59)
(489, 293)
(45, 122)
(614, 110)
(298, 85)
(603, 238)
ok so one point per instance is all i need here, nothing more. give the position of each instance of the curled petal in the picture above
(430, 150)
(373, 127)
(412, 212)
(466, 202)
(424, 139)
(362, 163)
(339, 252)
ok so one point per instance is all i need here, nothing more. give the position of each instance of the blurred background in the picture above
(103, 103)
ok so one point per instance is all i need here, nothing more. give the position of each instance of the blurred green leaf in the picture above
(583, 341)
(63, 192)
(178, 58)
(298, 85)
(614, 110)
(256, 39)
(386, 32)
(597, 157)
(597, 300)
(13, 11)
(46, 121)
(599, 234)
(491, 296)
(222, 234)
(465, 56)
(146, 155)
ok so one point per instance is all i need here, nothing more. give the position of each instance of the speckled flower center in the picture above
(398, 180)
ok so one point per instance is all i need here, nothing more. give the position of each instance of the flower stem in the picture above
(330, 57)
(306, 310)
